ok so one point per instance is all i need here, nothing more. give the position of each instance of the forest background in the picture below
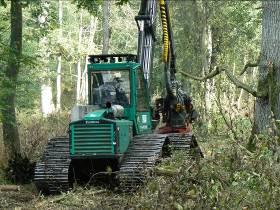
(58, 35)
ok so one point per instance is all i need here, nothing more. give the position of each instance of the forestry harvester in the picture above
(116, 128)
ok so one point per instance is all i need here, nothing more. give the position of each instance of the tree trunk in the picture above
(84, 82)
(79, 70)
(47, 106)
(105, 26)
(206, 55)
(269, 70)
(207, 48)
(58, 77)
(10, 129)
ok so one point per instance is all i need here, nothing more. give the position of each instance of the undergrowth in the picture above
(34, 131)
(228, 177)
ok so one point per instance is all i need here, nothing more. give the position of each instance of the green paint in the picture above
(112, 66)
(96, 115)
(144, 122)
(132, 67)
(112, 132)
(91, 140)
(124, 131)
(72, 139)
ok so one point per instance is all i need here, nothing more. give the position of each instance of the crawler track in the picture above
(143, 153)
(186, 142)
(51, 172)
(180, 141)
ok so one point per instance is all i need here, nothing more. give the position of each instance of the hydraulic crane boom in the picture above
(146, 23)
(177, 105)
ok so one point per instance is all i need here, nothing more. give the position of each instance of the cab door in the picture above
(143, 112)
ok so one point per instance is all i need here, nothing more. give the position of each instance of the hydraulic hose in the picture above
(165, 30)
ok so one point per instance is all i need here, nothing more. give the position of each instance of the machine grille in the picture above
(92, 139)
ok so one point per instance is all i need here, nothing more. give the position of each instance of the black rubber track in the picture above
(143, 153)
(52, 171)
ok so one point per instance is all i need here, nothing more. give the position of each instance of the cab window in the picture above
(110, 86)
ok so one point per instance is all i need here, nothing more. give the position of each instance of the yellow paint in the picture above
(165, 31)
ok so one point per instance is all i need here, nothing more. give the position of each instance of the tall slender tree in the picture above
(105, 26)
(47, 106)
(79, 70)
(58, 70)
(10, 129)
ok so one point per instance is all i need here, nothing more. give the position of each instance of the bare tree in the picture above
(79, 71)
(47, 106)
(105, 26)
(58, 71)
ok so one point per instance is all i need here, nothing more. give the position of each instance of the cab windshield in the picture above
(110, 86)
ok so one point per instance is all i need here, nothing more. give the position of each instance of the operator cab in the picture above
(117, 82)
(110, 87)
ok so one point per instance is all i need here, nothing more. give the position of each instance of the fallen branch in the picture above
(14, 188)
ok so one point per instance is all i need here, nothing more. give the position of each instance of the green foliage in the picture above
(3, 3)
(234, 42)
(122, 2)
(91, 6)
(238, 38)
(123, 30)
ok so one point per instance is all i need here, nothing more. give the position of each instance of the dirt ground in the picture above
(79, 198)
(17, 200)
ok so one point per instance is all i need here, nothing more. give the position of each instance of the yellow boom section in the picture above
(165, 30)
